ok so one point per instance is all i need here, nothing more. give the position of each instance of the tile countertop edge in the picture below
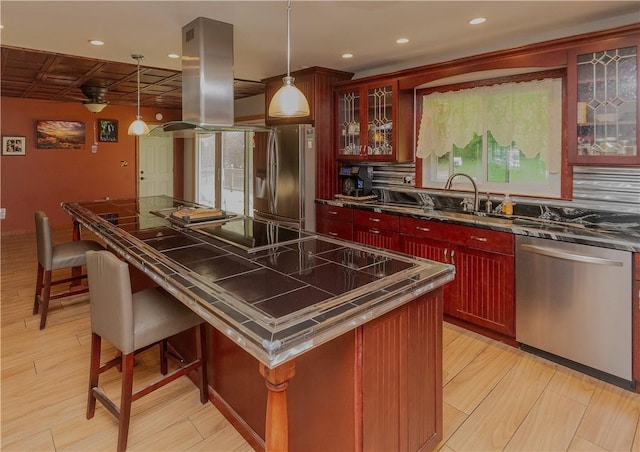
(584, 236)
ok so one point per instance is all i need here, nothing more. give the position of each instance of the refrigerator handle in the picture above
(270, 169)
(275, 165)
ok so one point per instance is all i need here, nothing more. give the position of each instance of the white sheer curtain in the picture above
(527, 113)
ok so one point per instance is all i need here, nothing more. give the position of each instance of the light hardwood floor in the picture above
(495, 396)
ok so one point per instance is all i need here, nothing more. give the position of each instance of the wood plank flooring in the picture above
(495, 396)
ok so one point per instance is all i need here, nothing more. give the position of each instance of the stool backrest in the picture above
(43, 240)
(110, 299)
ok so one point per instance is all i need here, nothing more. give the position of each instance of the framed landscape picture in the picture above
(108, 130)
(14, 146)
(60, 134)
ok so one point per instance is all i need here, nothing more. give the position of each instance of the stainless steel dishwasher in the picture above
(573, 302)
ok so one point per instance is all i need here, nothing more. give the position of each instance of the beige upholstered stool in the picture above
(133, 322)
(55, 257)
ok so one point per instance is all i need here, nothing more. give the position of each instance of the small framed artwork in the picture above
(14, 146)
(60, 134)
(108, 130)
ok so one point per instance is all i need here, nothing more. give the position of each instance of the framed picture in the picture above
(60, 134)
(108, 130)
(14, 146)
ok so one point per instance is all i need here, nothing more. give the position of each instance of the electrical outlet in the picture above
(408, 179)
(3, 213)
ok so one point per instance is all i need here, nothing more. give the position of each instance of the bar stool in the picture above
(132, 323)
(55, 257)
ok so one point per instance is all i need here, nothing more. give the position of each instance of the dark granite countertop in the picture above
(276, 292)
(616, 234)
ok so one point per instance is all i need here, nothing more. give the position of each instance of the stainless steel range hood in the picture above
(207, 80)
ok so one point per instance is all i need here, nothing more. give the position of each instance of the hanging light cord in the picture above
(288, 38)
(138, 57)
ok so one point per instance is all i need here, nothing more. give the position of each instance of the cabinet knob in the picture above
(479, 239)
(375, 220)
(420, 228)
(374, 231)
(334, 234)
(333, 212)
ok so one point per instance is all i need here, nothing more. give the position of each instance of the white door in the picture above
(155, 166)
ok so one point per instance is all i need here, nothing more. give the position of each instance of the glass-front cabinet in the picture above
(365, 122)
(603, 103)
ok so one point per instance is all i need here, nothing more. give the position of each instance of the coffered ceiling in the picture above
(46, 54)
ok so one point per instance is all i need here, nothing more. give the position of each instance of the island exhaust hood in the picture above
(207, 81)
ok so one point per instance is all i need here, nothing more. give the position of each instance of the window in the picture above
(222, 170)
(507, 136)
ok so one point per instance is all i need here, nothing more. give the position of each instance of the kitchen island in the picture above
(351, 333)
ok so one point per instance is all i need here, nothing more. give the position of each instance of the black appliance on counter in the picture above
(356, 180)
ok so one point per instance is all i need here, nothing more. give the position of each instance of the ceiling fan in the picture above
(95, 97)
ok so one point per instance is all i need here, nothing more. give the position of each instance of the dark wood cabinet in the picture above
(483, 293)
(317, 84)
(636, 320)
(378, 387)
(602, 106)
(372, 122)
(334, 221)
(376, 229)
(401, 377)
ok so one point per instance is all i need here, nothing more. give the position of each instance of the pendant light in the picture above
(288, 101)
(138, 127)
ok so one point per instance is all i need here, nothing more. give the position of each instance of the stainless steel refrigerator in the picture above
(284, 175)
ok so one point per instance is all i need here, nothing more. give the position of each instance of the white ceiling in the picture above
(321, 31)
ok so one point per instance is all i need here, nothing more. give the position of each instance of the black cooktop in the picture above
(253, 235)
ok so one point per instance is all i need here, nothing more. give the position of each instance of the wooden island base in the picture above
(378, 387)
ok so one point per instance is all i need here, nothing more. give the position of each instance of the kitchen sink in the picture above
(476, 217)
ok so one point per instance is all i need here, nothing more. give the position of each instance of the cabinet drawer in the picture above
(334, 213)
(488, 240)
(380, 221)
(424, 229)
(478, 238)
(337, 229)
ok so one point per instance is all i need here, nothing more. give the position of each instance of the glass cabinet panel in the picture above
(607, 103)
(379, 122)
(349, 123)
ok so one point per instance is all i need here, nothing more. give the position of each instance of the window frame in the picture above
(560, 73)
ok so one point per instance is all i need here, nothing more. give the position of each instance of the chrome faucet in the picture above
(476, 199)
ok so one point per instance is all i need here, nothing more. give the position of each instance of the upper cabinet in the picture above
(602, 96)
(368, 122)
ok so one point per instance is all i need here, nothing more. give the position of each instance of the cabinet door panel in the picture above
(377, 237)
(486, 294)
(603, 85)
(436, 251)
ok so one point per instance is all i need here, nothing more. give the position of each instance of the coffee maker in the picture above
(356, 180)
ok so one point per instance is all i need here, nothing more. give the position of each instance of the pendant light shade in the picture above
(138, 127)
(288, 101)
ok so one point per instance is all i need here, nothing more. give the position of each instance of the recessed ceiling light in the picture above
(173, 55)
(96, 42)
(477, 20)
(402, 40)
(347, 55)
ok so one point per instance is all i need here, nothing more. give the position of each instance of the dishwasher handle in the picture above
(550, 252)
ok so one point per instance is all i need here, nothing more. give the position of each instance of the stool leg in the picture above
(39, 279)
(204, 384)
(94, 373)
(163, 357)
(125, 401)
(45, 299)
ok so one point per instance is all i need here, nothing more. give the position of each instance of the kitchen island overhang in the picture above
(276, 301)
